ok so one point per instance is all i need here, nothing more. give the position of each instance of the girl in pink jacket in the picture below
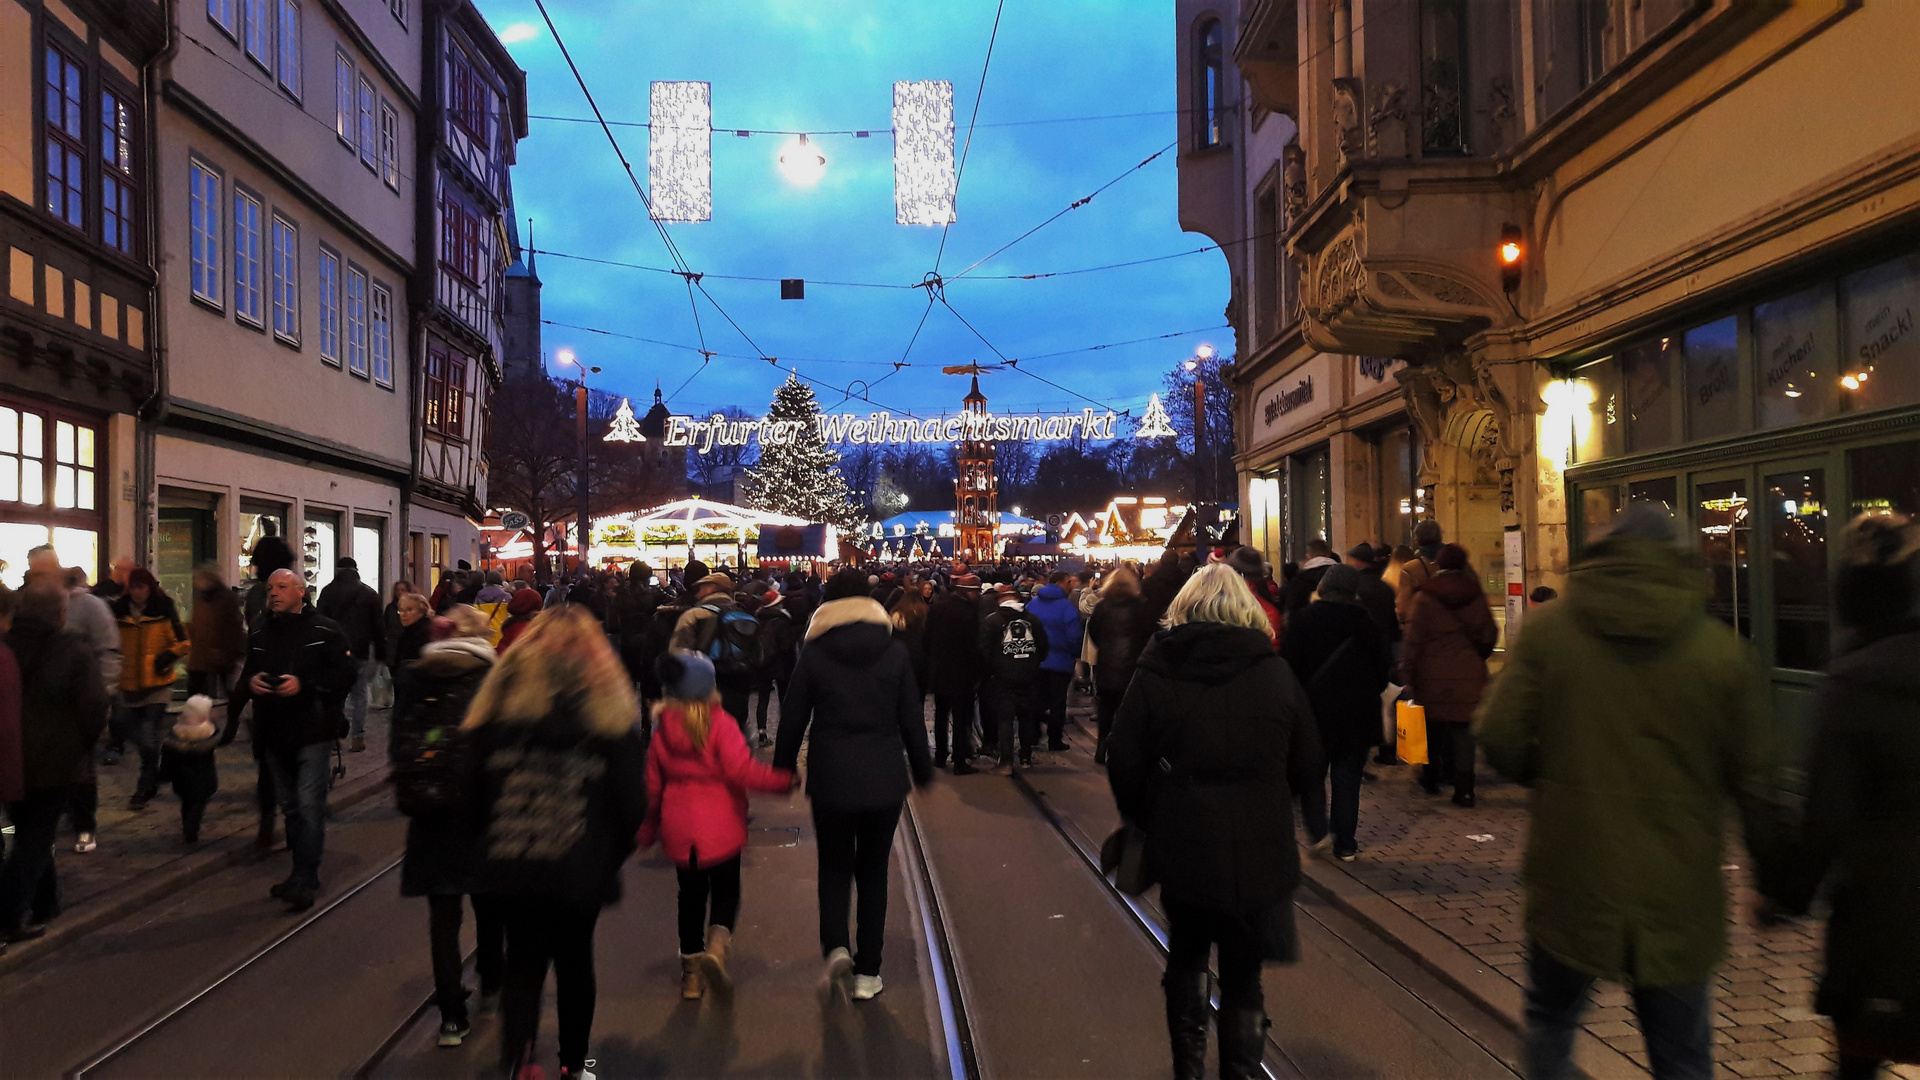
(698, 772)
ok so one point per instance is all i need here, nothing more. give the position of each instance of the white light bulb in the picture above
(802, 163)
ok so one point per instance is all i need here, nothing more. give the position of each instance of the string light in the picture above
(680, 151)
(924, 185)
(802, 163)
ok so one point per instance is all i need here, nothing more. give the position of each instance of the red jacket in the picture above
(697, 799)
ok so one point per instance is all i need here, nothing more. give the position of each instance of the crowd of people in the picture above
(539, 737)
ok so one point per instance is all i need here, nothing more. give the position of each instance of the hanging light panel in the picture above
(680, 151)
(923, 178)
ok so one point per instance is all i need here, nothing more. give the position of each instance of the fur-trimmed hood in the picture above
(855, 630)
(852, 610)
(530, 682)
(454, 657)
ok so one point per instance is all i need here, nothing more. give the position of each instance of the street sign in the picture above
(1054, 521)
(513, 519)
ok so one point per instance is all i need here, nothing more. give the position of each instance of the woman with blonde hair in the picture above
(1212, 740)
(556, 787)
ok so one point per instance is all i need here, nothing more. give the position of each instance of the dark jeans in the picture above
(300, 780)
(83, 806)
(767, 693)
(28, 869)
(1014, 704)
(1450, 752)
(544, 933)
(142, 723)
(444, 914)
(191, 814)
(211, 683)
(854, 848)
(1345, 813)
(718, 885)
(953, 712)
(1106, 705)
(733, 698)
(1193, 933)
(1054, 687)
(1677, 1022)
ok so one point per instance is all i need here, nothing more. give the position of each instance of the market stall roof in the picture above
(933, 519)
(704, 512)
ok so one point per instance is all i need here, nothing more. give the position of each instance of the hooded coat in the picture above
(853, 684)
(1862, 832)
(1636, 719)
(1212, 741)
(697, 797)
(1448, 640)
(441, 684)
(953, 644)
(63, 707)
(1061, 620)
(354, 605)
(1120, 626)
(1335, 650)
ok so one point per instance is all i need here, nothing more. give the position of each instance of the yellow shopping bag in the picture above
(1410, 723)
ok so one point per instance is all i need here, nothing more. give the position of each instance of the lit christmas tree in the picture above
(1154, 424)
(623, 427)
(801, 477)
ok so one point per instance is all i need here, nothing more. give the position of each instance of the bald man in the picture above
(298, 671)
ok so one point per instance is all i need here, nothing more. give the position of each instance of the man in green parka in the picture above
(1635, 718)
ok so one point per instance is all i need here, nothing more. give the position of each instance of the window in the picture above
(117, 188)
(1266, 260)
(1592, 34)
(399, 9)
(73, 470)
(1209, 92)
(329, 306)
(367, 149)
(66, 141)
(290, 47)
(1443, 77)
(246, 257)
(390, 145)
(469, 98)
(1647, 372)
(203, 222)
(434, 393)
(343, 97)
(23, 475)
(380, 326)
(356, 321)
(460, 240)
(258, 32)
(1799, 367)
(1713, 379)
(286, 280)
(1880, 358)
(456, 397)
(220, 14)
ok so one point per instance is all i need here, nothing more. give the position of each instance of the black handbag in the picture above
(1123, 858)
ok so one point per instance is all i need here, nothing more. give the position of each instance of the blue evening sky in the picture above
(830, 64)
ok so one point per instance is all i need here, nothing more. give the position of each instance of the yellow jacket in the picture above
(144, 638)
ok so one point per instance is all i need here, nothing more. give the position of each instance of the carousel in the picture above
(716, 533)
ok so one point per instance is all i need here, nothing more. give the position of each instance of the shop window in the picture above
(74, 484)
(1884, 479)
(1794, 342)
(1713, 379)
(185, 540)
(1312, 494)
(1601, 433)
(1402, 502)
(369, 551)
(1725, 520)
(1598, 507)
(22, 471)
(1797, 533)
(1881, 364)
(49, 491)
(1647, 382)
(320, 548)
(1663, 492)
(257, 522)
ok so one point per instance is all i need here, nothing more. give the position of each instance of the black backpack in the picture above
(735, 649)
(429, 760)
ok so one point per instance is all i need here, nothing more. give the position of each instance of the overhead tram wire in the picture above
(861, 133)
(1015, 364)
(960, 173)
(1069, 208)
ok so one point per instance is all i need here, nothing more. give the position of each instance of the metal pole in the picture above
(1199, 435)
(581, 527)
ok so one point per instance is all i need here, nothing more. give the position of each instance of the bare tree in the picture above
(533, 457)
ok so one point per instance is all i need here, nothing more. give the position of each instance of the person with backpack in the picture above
(425, 753)
(953, 670)
(355, 606)
(698, 774)
(716, 628)
(1335, 651)
(1056, 612)
(779, 642)
(1013, 644)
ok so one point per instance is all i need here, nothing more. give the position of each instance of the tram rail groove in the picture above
(171, 1013)
(949, 979)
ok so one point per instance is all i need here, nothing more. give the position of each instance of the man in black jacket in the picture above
(1012, 644)
(354, 605)
(953, 670)
(299, 665)
(62, 709)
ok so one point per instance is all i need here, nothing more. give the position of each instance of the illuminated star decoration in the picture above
(680, 151)
(624, 427)
(1154, 425)
(923, 179)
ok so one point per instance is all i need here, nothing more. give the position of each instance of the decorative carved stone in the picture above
(1391, 286)
(1387, 122)
(1444, 289)
(1293, 171)
(1349, 109)
(1500, 99)
(1338, 279)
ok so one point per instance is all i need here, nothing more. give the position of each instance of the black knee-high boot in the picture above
(1187, 1006)
(1243, 1043)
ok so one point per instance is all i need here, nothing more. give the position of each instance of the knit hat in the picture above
(1362, 552)
(967, 581)
(196, 719)
(524, 602)
(684, 675)
(1339, 582)
(1451, 557)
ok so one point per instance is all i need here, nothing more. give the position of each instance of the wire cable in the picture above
(1070, 207)
(1015, 364)
(868, 132)
(967, 148)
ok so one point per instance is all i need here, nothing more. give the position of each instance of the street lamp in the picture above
(1201, 354)
(582, 526)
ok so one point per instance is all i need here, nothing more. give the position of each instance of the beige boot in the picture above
(713, 962)
(692, 986)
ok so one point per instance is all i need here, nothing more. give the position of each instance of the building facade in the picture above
(77, 313)
(1712, 208)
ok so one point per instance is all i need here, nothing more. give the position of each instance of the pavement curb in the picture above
(143, 889)
(1499, 996)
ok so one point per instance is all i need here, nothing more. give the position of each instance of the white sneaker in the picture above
(866, 987)
(839, 970)
(85, 844)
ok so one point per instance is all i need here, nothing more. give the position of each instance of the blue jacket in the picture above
(1061, 620)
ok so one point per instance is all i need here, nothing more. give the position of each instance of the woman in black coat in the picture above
(1862, 826)
(1120, 626)
(854, 685)
(1211, 741)
(439, 858)
(1334, 647)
